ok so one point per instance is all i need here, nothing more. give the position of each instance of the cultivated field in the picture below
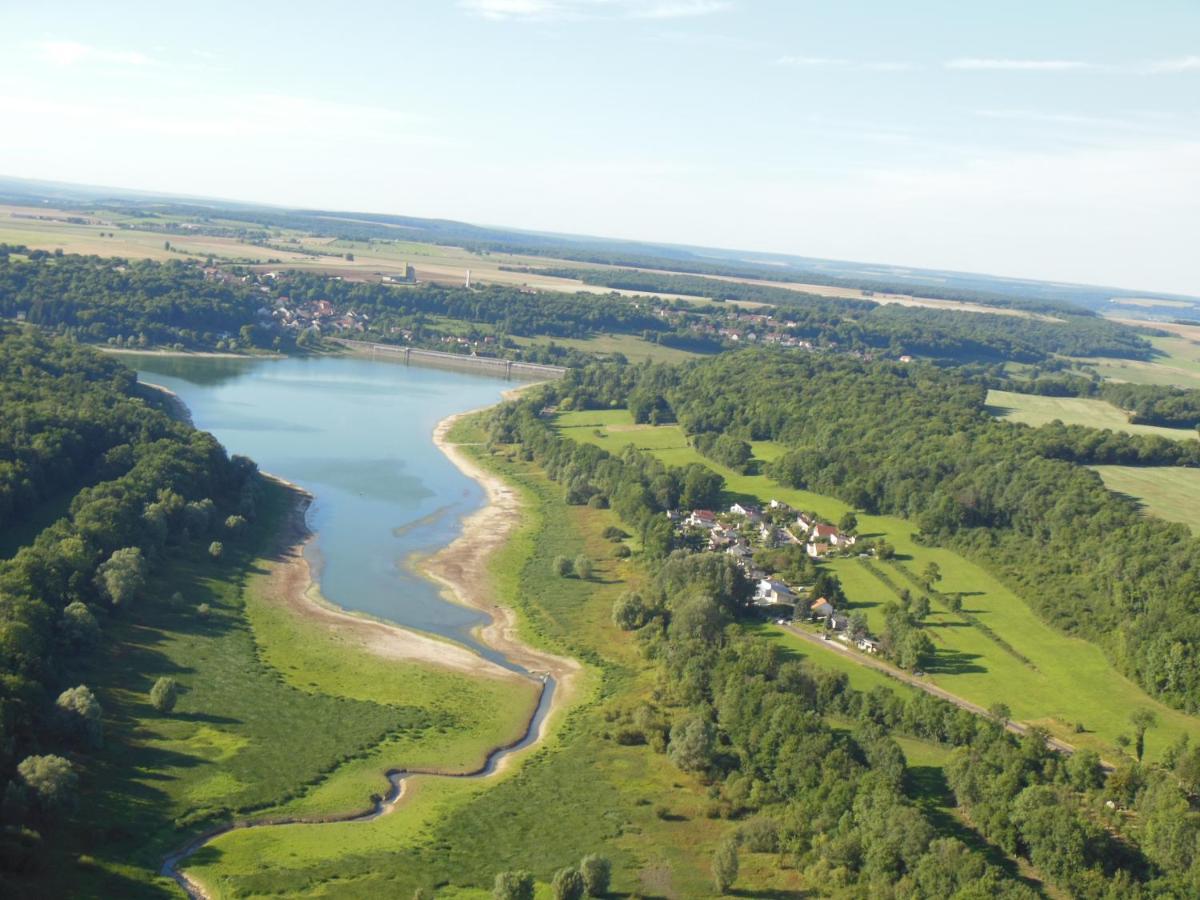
(1169, 492)
(1045, 677)
(633, 347)
(1178, 362)
(1030, 409)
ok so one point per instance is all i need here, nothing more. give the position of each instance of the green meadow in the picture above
(1030, 409)
(1169, 492)
(1177, 363)
(1044, 676)
(635, 348)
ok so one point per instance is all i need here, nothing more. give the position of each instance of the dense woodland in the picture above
(751, 725)
(133, 485)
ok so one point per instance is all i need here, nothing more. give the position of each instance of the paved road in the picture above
(923, 684)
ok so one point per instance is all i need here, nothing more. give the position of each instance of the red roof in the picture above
(824, 530)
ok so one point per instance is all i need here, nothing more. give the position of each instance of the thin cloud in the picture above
(542, 10)
(1018, 65)
(1183, 64)
(832, 62)
(70, 53)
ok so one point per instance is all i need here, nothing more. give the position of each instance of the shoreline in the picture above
(462, 567)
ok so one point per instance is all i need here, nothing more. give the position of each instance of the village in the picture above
(747, 533)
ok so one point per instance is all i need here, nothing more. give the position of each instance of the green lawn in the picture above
(1065, 681)
(634, 347)
(1178, 363)
(1031, 409)
(1169, 492)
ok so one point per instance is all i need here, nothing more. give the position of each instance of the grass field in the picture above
(1031, 409)
(1169, 492)
(1065, 680)
(246, 735)
(1177, 363)
(634, 347)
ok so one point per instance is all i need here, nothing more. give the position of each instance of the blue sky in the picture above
(1056, 140)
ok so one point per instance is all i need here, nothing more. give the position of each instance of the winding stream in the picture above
(356, 434)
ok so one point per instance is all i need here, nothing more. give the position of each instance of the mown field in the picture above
(269, 711)
(1030, 409)
(636, 349)
(1045, 677)
(1178, 363)
(1169, 492)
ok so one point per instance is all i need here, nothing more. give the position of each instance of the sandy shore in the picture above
(462, 567)
(290, 583)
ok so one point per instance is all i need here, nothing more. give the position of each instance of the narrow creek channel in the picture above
(356, 434)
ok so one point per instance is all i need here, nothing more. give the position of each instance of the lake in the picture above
(357, 434)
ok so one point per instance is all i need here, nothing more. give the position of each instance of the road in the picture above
(923, 684)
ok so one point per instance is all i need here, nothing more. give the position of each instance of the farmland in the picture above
(1169, 492)
(1045, 677)
(1177, 362)
(1031, 409)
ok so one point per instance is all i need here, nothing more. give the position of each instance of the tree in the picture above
(562, 566)
(916, 647)
(931, 575)
(691, 746)
(567, 885)
(1142, 720)
(52, 781)
(954, 603)
(216, 549)
(725, 866)
(79, 626)
(235, 525)
(597, 874)
(583, 567)
(513, 886)
(164, 694)
(1000, 714)
(80, 716)
(848, 522)
(122, 576)
(629, 612)
(920, 607)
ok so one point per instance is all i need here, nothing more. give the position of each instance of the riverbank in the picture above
(463, 567)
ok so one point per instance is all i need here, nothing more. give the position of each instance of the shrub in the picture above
(513, 886)
(215, 549)
(567, 885)
(562, 567)
(164, 694)
(597, 874)
(583, 567)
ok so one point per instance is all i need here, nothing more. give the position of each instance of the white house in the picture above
(868, 645)
(701, 518)
(815, 550)
(753, 513)
(770, 591)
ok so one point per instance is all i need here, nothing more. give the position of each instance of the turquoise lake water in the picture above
(357, 434)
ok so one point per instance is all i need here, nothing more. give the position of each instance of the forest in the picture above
(134, 486)
(753, 726)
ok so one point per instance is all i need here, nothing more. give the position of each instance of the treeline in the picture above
(70, 420)
(731, 711)
(99, 299)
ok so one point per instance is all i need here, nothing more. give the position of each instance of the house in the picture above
(821, 531)
(740, 550)
(701, 518)
(839, 621)
(779, 505)
(868, 645)
(768, 534)
(671, 514)
(906, 359)
(770, 591)
(804, 522)
(821, 609)
(753, 513)
(843, 540)
(816, 550)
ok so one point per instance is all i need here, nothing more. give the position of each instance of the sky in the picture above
(1056, 140)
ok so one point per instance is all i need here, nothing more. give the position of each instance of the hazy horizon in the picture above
(1051, 144)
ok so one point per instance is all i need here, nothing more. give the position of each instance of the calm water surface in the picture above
(357, 434)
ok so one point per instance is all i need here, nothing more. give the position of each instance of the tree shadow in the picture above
(953, 662)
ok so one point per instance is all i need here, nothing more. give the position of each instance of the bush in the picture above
(562, 567)
(567, 885)
(215, 549)
(597, 874)
(613, 533)
(622, 551)
(513, 886)
(164, 694)
(80, 716)
(204, 610)
(583, 567)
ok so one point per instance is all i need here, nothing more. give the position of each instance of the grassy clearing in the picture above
(633, 347)
(1030, 409)
(579, 792)
(1064, 681)
(1169, 492)
(1177, 363)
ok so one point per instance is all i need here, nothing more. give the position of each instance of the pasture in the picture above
(1030, 409)
(1177, 361)
(1045, 677)
(1169, 492)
